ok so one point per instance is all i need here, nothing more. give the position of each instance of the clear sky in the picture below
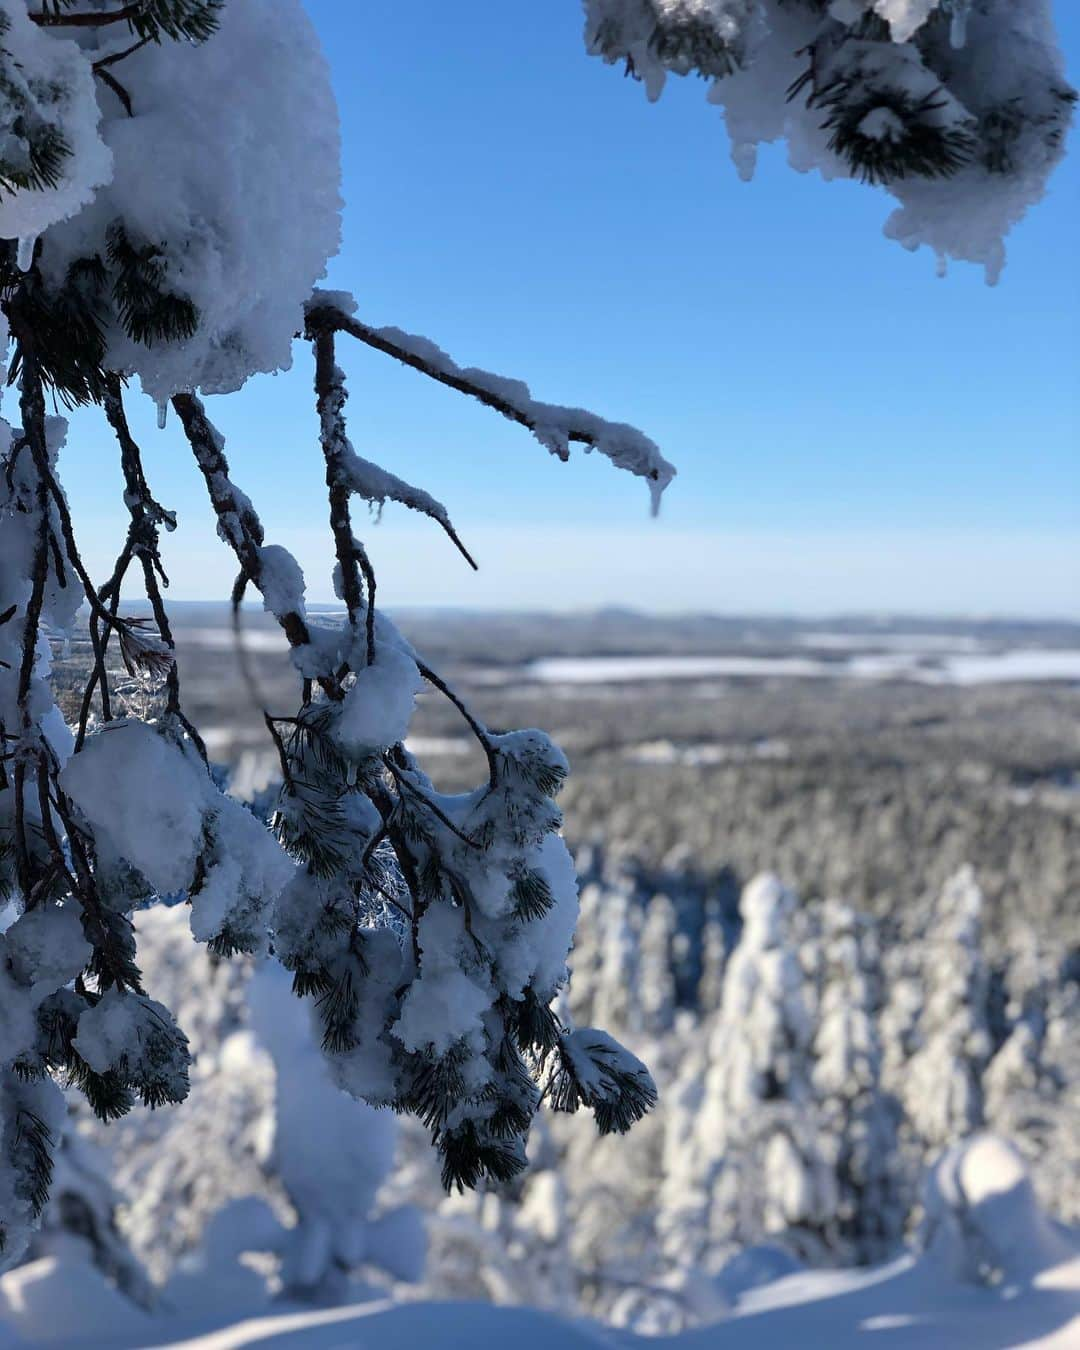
(851, 432)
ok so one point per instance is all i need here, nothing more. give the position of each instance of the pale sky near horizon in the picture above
(851, 432)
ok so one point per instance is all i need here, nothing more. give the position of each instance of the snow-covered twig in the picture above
(553, 425)
(347, 472)
(330, 403)
(238, 524)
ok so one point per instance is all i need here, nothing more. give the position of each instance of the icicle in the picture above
(162, 413)
(24, 257)
(958, 27)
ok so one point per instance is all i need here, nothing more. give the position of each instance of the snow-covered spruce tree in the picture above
(606, 986)
(743, 1154)
(656, 967)
(942, 1084)
(958, 107)
(149, 232)
(858, 1120)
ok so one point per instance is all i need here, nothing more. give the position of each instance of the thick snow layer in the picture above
(991, 77)
(379, 705)
(55, 1302)
(162, 833)
(158, 833)
(236, 178)
(906, 1306)
(919, 1302)
(50, 77)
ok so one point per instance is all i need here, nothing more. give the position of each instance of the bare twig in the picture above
(476, 727)
(240, 527)
(352, 474)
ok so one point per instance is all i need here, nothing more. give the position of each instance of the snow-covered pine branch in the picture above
(958, 107)
(149, 235)
(553, 425)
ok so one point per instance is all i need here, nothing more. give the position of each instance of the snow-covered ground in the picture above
(909, 1305)
(915, 664)
(993, 1273)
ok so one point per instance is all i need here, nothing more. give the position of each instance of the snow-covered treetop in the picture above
(958, 107)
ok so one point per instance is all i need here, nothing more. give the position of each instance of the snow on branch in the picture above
(553, 425)
(348, 472)
(273, 572)
(960, 111)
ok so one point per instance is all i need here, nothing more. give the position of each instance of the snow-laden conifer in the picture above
(943, 1090)
(858, 1120)
(744, 1153)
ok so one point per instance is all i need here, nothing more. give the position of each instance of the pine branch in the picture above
(330, 402)
(147, 515)
(238, 524)
(429, 805)
(84, 19)
(108, 78)
(553, 425)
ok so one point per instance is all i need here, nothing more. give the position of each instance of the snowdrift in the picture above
(993, 1273)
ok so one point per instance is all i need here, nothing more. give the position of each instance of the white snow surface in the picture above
(162, 833)
(159, 833)
(954, 668)
(911, 1301)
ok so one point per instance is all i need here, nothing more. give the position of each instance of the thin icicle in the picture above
(162, 413)
(24, 256)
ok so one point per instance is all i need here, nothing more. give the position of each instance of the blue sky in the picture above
(851, 432)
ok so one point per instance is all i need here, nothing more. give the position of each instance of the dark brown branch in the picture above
(326, 315)
(96, 19)
(426, 801)
(238, 524)
(144, 539)
(32, 408)
(331, 396)
(373, 337)
(372, 844)
(279, 746)
(118, 89)
(330, 403)
(107, 61)
(364, 563)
